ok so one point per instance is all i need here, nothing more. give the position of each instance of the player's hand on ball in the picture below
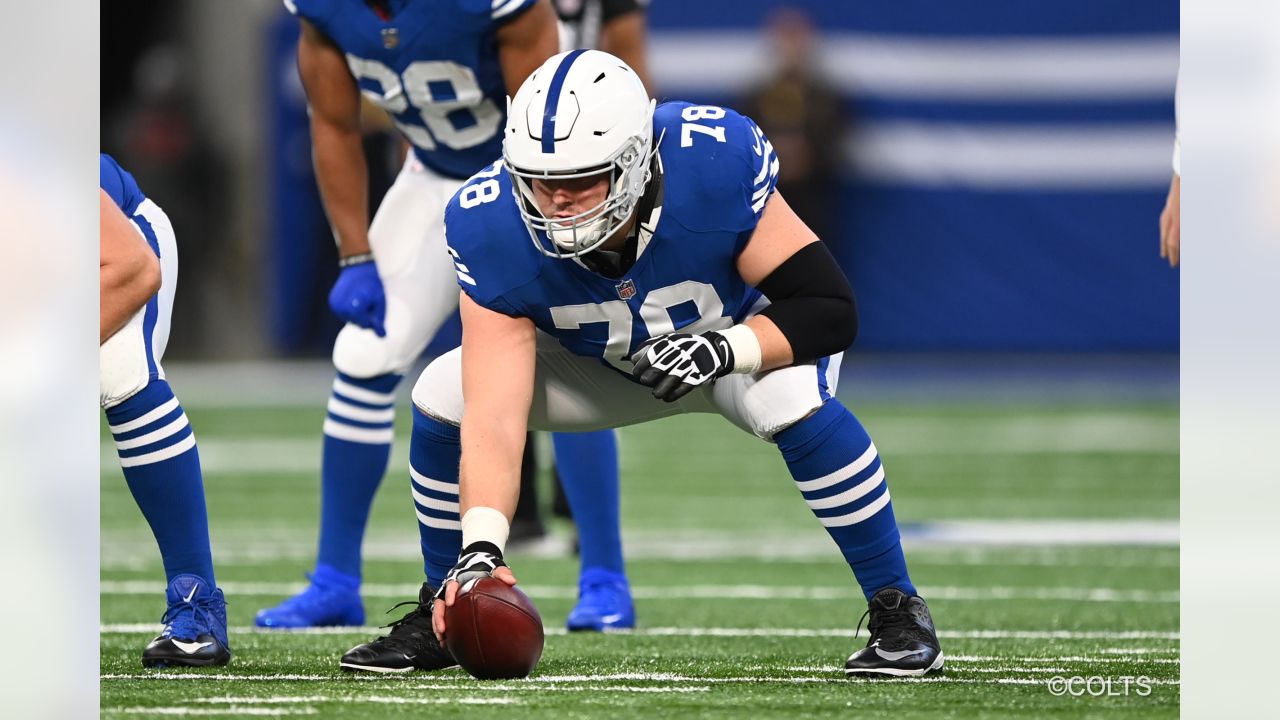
(676, 363)
(478, 560)
(357, 297)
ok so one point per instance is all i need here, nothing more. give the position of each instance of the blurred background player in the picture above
(800, 111)
(157, 448)
(441, 71)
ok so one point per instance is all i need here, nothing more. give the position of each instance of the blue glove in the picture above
(358, 298)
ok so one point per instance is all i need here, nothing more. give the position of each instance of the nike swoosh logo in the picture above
(191, 594)
(893, 656)
(190, 647)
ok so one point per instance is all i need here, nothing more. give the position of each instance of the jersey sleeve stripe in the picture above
(502, 8)
(291, 7)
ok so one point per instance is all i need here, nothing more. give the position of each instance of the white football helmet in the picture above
(582, 113)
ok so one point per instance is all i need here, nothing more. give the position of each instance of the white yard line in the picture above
(1021, 663)
(147, 628)
(192, 712)
(297, 700)
(551, 682)
(704, 592)
(978, 542)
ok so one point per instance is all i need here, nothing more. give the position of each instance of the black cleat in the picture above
(195, 627)
(903, 642)
(411, 644)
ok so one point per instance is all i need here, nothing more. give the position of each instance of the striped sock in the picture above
(433, 469)
(838, 471)
(161, 465)
(357, 445)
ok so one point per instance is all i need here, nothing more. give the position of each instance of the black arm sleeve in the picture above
(812, 303)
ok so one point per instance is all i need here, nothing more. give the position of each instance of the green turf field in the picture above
(745, 606)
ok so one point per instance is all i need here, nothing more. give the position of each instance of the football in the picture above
(493, 630)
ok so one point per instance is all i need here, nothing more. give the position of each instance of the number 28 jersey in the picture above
(718, 170)
(432, 65)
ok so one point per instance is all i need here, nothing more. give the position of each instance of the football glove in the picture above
(676, 363)
(478, 560)
(357, 297)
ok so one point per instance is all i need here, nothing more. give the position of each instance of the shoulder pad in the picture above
(719, 167)
(488, 242)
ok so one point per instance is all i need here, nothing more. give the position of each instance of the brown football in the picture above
(493, 630)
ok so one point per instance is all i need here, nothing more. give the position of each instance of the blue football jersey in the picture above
(717, 172)
(433, 66)
(119, 184)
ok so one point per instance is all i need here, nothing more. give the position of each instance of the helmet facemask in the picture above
(579, 234)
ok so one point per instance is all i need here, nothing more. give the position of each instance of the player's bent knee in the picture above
(771, 432)
(766, 428)
(438, 391)
(780, 399)
(360, 353)
(123, 370)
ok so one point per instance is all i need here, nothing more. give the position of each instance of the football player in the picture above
(441, 69)
(625, 263)
(138, 274)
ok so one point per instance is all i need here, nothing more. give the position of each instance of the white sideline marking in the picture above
(950, 666)
(139, 555)
(704, 592)
(183, 711)
(144, 628)
(281, 677)
(1065, 658)
(997, 681)
(551, 682)
(965, 660)
(981, 542)
(293, 700)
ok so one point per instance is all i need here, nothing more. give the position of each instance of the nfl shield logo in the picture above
(390, 38)
(626, 289)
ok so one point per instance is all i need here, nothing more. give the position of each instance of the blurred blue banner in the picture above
(1004, 162)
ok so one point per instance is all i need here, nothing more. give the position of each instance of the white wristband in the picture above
(484, 524)
(747, 355)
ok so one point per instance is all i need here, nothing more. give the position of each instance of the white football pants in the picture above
(407, 238)
(572, 393)
(129, 359)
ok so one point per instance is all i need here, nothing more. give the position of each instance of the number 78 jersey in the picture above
(432, 65)
(716, 171)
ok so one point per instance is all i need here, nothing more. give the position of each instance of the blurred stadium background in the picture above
(988, 172)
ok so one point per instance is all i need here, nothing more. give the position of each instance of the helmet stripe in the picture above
(553, 102)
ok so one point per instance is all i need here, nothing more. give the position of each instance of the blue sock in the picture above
(838, 471)
(162, 467)
(434, 454)
(357, 445)
(588, 465)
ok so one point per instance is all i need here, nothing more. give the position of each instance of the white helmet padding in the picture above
(582, 113)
